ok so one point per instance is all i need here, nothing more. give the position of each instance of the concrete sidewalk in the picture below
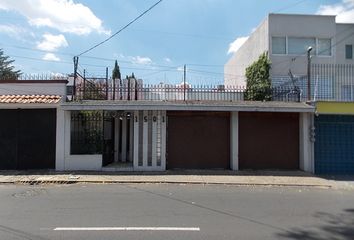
(265, 178)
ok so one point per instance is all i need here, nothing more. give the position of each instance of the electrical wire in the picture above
(120, 30)
(289, 6)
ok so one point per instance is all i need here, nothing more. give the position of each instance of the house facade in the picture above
(286, 38)
(29, 112)
(216, 129)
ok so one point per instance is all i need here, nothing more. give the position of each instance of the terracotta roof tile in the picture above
(27, 99)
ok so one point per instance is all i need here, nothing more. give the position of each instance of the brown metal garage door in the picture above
(268, 140)
(198, 140)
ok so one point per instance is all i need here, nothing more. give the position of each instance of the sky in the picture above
(42, 36)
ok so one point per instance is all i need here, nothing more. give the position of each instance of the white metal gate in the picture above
(149, 141)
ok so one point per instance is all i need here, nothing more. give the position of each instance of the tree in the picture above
(116, 74)
(7, 70)
(116, 71)
(258, 80)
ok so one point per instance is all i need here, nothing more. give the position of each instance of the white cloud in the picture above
(16, 31)
(343, 10)
(138, 60)
(52, 42)
(51, 57)
(168, 60)
(11, 30)
(141, 60)
(235, 45)
(63, 15)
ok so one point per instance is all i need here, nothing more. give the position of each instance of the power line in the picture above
(39, 59)
(120, 30)
(108, 59)
(152, 68)
(289, 6)
(214, 36)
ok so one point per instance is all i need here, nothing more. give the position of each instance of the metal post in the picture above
(120, 89)
(309, 73)
(184, 82)
(136, 89)
(128, 88)
(106, 83)
(76, 62)
(114, 88)
(84, 90)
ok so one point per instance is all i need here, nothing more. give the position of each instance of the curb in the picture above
(67, 182)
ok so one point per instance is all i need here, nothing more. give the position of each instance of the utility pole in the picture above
(76, 62)
(309, 73)
(184, 82)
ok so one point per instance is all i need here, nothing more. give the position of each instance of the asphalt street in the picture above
(171, 211)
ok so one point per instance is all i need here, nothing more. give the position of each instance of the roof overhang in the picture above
(251, 106)
(28, 106)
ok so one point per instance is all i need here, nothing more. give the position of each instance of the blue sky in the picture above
(42, 36)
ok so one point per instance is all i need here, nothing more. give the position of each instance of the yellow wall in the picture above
(335, 108)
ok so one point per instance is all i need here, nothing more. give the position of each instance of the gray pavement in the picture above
(218, 211)
(264, 178)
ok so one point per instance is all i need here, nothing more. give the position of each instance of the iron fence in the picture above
(162, 92)
(332, 82)
(86, 132)
(329, 82)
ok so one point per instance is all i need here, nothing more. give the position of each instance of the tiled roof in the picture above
(25, 99)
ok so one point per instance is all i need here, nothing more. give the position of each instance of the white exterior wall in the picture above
(342, 33)
(289, 25)
(66, 161)
(33, 88)
(83, 162)
(257, 43)
(234, 141)
(306, 142)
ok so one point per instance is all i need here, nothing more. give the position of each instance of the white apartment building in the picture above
(286, 38)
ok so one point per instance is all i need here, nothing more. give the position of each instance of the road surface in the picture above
(169, 211)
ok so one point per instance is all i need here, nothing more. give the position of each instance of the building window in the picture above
(278, 45)
(324, 47)
(69, 90)
(349, 51)
(300, 45)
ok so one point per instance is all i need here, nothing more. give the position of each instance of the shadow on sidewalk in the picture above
(345, 178)
(331, 226)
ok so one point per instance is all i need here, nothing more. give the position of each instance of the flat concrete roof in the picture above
(189, 106)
